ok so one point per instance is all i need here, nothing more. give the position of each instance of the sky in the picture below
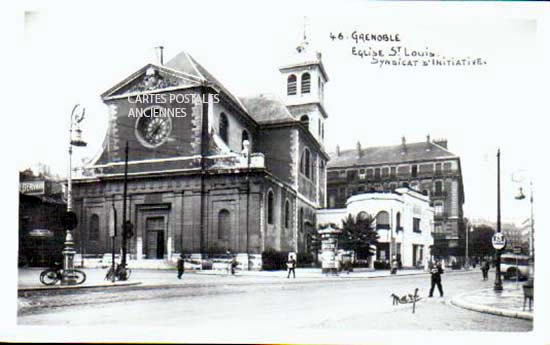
(72, 55)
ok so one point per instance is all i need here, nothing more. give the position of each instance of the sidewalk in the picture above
(509, 302)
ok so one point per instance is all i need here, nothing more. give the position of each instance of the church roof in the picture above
(389, 155)
(185, 63)
(267, 108)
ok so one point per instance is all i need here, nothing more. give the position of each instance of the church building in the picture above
(208, 172)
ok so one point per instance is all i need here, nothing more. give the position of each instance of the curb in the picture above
(456, 301)
(75, 287)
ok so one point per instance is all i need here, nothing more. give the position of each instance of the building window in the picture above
(245, 136)
(414, 170)
(438, 168)
(416, 224)
(224, 224)
(305, 163)
(224, 128)
(392, 171)
(291, 85)
(305, 120)
(438, 208)
(287, 214)
(377, 173)
(398, 221)
(301, 219)
(382, 220)
(352, 175)
(438, 187)
(93, 231)
(270, 207)
(426, 192)
(322, 130)
(306, 83)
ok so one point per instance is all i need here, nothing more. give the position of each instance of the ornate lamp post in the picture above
(521, 196)
(77, 115)
(498, 281)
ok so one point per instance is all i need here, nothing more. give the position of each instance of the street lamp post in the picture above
(521, 196)
(498, 281)
(77, 115)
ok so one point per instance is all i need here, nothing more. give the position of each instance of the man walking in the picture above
(436, 273)
(180, 265)
(291, 265)
(485, 269)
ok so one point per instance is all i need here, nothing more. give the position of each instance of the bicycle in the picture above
(120, 273)
(53, 275)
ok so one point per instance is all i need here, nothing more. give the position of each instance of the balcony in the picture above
(441, 215)
(439, 194)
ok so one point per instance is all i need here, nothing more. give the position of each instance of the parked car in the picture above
(512, 265)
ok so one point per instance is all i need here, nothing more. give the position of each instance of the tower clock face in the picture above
(152, 130)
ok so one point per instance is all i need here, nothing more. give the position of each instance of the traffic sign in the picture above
(499, 241)
(69, 220)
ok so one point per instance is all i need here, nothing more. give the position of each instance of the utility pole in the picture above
(124, 231)
(498, 281)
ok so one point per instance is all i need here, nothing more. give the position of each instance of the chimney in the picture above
(338, 150)
(359, 151)
(160, 54)
(428, 146)
(441, 142)
(403, 145)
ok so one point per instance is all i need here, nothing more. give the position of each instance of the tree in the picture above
(481, 244)
(358, 234)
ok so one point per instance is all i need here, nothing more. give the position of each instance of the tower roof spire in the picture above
(303, 45)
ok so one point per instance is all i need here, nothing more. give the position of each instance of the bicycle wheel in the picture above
(49, 277)
(79, 276)
(110, 274)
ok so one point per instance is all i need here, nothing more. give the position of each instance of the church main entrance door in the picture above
(155, 241)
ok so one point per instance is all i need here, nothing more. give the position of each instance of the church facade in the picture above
(208, 172)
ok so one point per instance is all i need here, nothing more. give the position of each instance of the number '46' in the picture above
(340, 36)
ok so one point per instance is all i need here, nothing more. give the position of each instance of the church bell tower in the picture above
(303, 81)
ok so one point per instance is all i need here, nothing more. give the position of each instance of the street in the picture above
(260, 304)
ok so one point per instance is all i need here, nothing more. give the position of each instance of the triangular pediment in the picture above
(152, 78)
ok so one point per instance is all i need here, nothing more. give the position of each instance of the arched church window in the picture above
(245, 136)
(93, 231)
(224, 128)
(287, 214)
(398, 221)
(306, 83)
(301, 219)
(224, 224)
(291, 85)
(305, 163)
(270, 207)
(382, 220)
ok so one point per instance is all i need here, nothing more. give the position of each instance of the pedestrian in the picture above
(436, 273)
(485, 270)
(181, 266)
(394, 265)
(233, 265)
(291, 265)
